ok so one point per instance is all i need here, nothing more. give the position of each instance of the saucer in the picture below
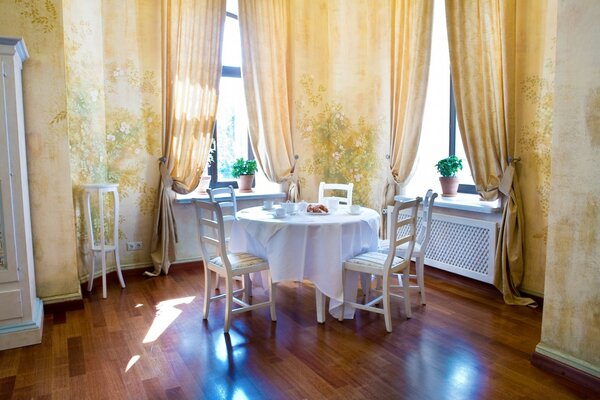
(355, 213)
(279, 217)
(267, 209)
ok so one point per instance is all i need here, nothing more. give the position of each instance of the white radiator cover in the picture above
(464, 246)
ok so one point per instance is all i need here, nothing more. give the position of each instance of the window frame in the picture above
(227, 71)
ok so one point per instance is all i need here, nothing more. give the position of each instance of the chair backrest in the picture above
(424, 233)
(225, 196)
(212, 231)
(347, 187)
(424, 227)
(403, 230)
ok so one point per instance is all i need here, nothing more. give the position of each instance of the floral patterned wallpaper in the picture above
(342, 150)
(114, 112)
(133, 121)
(340, 91)
(42, 14)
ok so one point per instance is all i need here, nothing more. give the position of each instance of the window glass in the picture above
(232, 126)
(232, 47)
(465, 175)
(232, 7)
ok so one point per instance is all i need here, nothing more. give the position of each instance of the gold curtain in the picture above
(264, 31)
(192, 39)
(483, 44)
(411, 49)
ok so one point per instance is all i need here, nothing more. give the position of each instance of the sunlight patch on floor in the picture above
(165, 315)
(132, 361)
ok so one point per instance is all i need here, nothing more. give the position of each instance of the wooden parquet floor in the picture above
(149, 341)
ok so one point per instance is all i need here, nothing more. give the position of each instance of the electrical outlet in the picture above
(133, 246)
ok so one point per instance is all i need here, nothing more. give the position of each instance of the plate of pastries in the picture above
(317, 209)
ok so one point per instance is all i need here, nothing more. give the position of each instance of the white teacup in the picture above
(355, 209)
(280, 212)
(289, 207)
(302, 206)
(332, 203)
(268, 204)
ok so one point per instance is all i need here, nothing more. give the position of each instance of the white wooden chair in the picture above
(347, 187)
(225, 196)
(229, 265)
(423, 237)
(386, 265)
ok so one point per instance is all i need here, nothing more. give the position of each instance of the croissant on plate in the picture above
(317, 209)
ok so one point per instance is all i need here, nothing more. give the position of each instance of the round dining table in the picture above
(309, 246)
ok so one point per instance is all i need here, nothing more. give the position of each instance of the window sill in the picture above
(463, 202)
(256, 194)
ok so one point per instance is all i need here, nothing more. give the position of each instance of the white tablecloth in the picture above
(312, 247)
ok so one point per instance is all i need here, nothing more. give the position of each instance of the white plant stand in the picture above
(99, 245)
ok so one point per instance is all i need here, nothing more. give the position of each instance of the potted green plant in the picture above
(447, 168)
(243, 171)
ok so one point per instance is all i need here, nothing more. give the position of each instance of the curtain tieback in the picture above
(166, 177)
(507, 177)
(389, 189)
(293, 187)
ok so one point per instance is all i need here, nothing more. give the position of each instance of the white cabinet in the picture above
(21, 312)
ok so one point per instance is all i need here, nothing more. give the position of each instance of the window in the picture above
(440, 135)
(231, 139)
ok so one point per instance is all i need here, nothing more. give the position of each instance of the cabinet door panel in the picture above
(8, 262)
(10, 305)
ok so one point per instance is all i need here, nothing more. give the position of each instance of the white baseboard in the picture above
(567, 359)
(140, 265)
(62, 298)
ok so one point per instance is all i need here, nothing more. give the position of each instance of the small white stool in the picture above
(102, 247)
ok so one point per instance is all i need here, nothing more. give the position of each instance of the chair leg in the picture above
(365, 284)
(272, 298)
(103, 255)
(228, 304)
(119, 274)
(406, 291)
(341, 317)
(247, 285)
(421, 279)
(217, 280)
(386, 303)
(207, 279)
(92, 272)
